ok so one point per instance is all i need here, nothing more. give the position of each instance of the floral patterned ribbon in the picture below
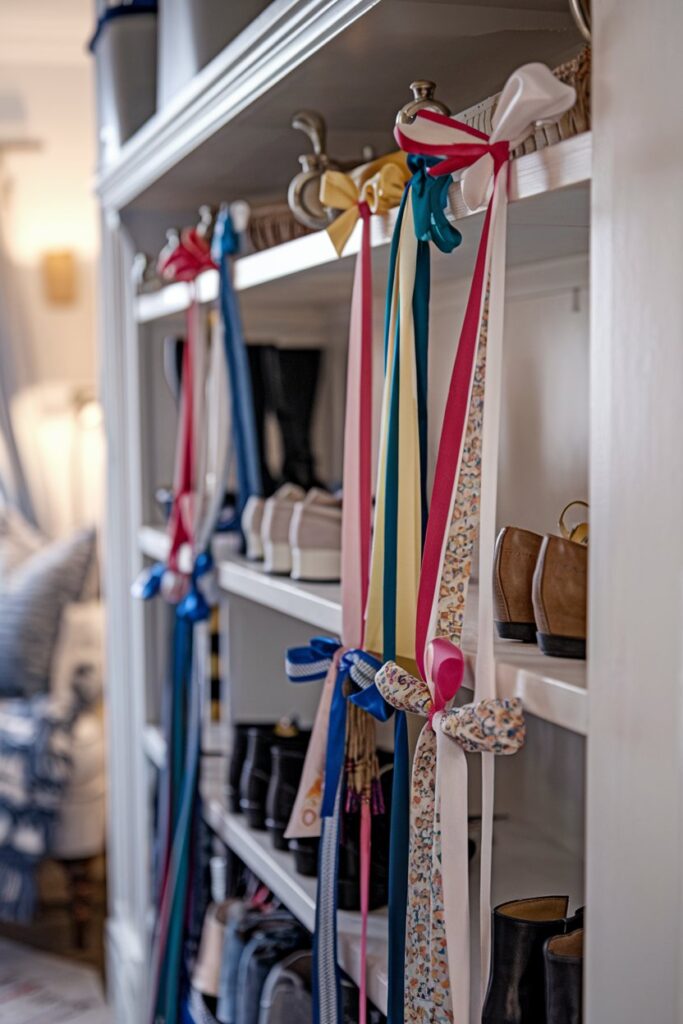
(437, 921)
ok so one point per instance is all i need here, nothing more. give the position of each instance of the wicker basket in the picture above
(273, 224)
(576, 72)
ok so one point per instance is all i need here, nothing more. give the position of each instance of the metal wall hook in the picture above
(423, 99)
(303, 194)
(313, 125)
(581, 12)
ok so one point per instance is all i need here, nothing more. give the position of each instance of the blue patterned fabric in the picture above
(32, 599)
(35, 768)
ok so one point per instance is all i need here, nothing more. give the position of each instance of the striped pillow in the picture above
(32, 600)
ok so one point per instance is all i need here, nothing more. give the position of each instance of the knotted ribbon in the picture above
(226, 243)
(401, 503)
(201, 461)
(438, 898)
(372, 189)
(437, 933)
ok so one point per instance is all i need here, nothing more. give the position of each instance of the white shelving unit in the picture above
(564, 165)
(553, 689)
(566, 815)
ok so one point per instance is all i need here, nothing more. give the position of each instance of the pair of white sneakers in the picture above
(295, 533)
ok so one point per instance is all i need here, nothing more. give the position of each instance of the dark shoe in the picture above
(516, 989)
(564, 978)
(237, 757)
(255, 777)
(286, 768)
(291, 377)
(348, 884)
(560, 597)
(513, 571)
(305, 856)
(256, 770)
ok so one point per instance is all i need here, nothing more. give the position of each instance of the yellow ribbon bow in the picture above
(380, 184)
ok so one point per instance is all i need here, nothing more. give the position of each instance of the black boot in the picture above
(291, 384)
(287, 766)
(564, 978)
(516, 991)
(256, 776)
(259, 360)
(238, 754)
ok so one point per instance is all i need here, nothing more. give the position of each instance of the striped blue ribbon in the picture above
(248, 465)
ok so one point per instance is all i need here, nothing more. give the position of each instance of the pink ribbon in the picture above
(357, 517)
(189, 259)
(456, 156)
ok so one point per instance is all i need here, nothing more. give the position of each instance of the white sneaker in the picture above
(252, 518)
(315, 537)
(277, 515)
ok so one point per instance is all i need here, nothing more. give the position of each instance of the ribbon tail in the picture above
(327, 998)
(398, 870)
(451, 801)
(357, 511)
(365, 853)
(485, 665)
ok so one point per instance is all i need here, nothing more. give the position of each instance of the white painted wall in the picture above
(48, 203)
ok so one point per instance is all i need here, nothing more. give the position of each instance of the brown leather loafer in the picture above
(560, 597)
(513, 570)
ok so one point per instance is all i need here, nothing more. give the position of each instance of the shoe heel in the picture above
(254, 547)
(524, 632)
(277, 559)
(562, 646)
(316, 565)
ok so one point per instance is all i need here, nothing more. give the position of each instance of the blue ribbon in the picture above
(310, 663)
(248, 464)
(194, 607)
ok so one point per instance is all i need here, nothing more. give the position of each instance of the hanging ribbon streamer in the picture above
(226, 244)
(437, 948)
(372, 189)
(401, 507)
(201, 460)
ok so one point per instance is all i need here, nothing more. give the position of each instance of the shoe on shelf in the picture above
(258, 765)
(287, 765)
(564, 978)
(252, 518)
(238, 755)
(560, 597)
(516, 988)
(513, 571)
(315, 537)
(277, 516)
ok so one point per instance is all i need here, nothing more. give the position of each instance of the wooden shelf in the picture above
(276, 869)
(553, 689)
(564, 165)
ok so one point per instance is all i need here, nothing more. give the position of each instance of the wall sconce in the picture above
(59, 277)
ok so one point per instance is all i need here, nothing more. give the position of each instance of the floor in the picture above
(39, 988)
(53, 930)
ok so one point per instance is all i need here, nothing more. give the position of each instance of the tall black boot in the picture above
(564, 978)
(516, 990)
(259, 360)
(292, 381)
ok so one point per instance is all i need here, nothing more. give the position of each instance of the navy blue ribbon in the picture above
(248, 464)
